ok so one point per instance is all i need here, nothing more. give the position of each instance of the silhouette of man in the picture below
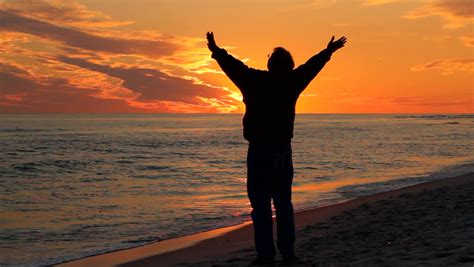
(270, 98)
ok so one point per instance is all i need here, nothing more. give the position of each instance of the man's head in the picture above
(280, 60)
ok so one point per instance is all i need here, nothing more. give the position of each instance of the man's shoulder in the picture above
(259, 71)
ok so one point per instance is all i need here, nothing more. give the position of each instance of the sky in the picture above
(144, 56)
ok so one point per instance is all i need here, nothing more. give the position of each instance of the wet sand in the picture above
(429, 224)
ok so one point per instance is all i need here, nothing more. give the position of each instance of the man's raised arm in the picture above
(313, 66)
(232, 67)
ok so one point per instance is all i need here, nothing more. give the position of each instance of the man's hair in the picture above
(280, 60)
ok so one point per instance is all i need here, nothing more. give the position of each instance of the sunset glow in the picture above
(151, 56)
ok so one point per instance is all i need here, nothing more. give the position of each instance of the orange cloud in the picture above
(60, 12)
(448, 66)
(21, 92)
(14, 80)
(456, 14)
(152, 84)
(376, 2)
(14, 22)
(468, 41)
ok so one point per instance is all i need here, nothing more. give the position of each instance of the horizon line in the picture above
(229, 113)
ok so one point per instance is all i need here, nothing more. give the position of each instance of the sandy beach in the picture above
(429, 224)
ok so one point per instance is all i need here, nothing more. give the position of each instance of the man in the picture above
(270, 99)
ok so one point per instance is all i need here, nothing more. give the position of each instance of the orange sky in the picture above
(147, 56)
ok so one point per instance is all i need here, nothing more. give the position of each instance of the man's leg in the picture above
(259, 193)
(281, 193)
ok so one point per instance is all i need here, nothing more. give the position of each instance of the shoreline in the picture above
(222, 242)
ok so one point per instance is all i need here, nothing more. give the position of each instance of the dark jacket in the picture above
(270, 98)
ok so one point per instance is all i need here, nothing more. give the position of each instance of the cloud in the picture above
(62, 12)
(152, 84)
(21, 92)
(460, 8)
(455, 14)
(376, 2)
(65, 99)
(468, 41)
(14, 80)
(11, 21)
(447, 66)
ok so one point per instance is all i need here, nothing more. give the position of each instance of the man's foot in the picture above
(292, 259)
(263, 260)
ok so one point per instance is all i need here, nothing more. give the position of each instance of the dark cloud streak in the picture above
(12, 21)
(152, 84)
(52, 95)
(458, 8)
(11, 80)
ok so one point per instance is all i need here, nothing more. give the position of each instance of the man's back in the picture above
(270, 97)
(270, 101)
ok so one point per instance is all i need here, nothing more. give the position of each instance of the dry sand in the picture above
(430, 224)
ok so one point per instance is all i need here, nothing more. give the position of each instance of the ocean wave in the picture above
(308, 168)
(98, 179)
(235, 143)
(25, 150)
(107, 150)
(122, 161)
(230, 196)
(357, 190)
(142, 240)
(214, 161)
(31, 130)
(68, 164)
(154, 168)
(27, 167)
(323, 178)
(437, 117)
(139, 157)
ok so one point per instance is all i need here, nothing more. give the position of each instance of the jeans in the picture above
(269, 176)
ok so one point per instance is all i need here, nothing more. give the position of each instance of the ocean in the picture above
(83, 184)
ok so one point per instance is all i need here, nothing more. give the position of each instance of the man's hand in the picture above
(333, 46)
(211, 43)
